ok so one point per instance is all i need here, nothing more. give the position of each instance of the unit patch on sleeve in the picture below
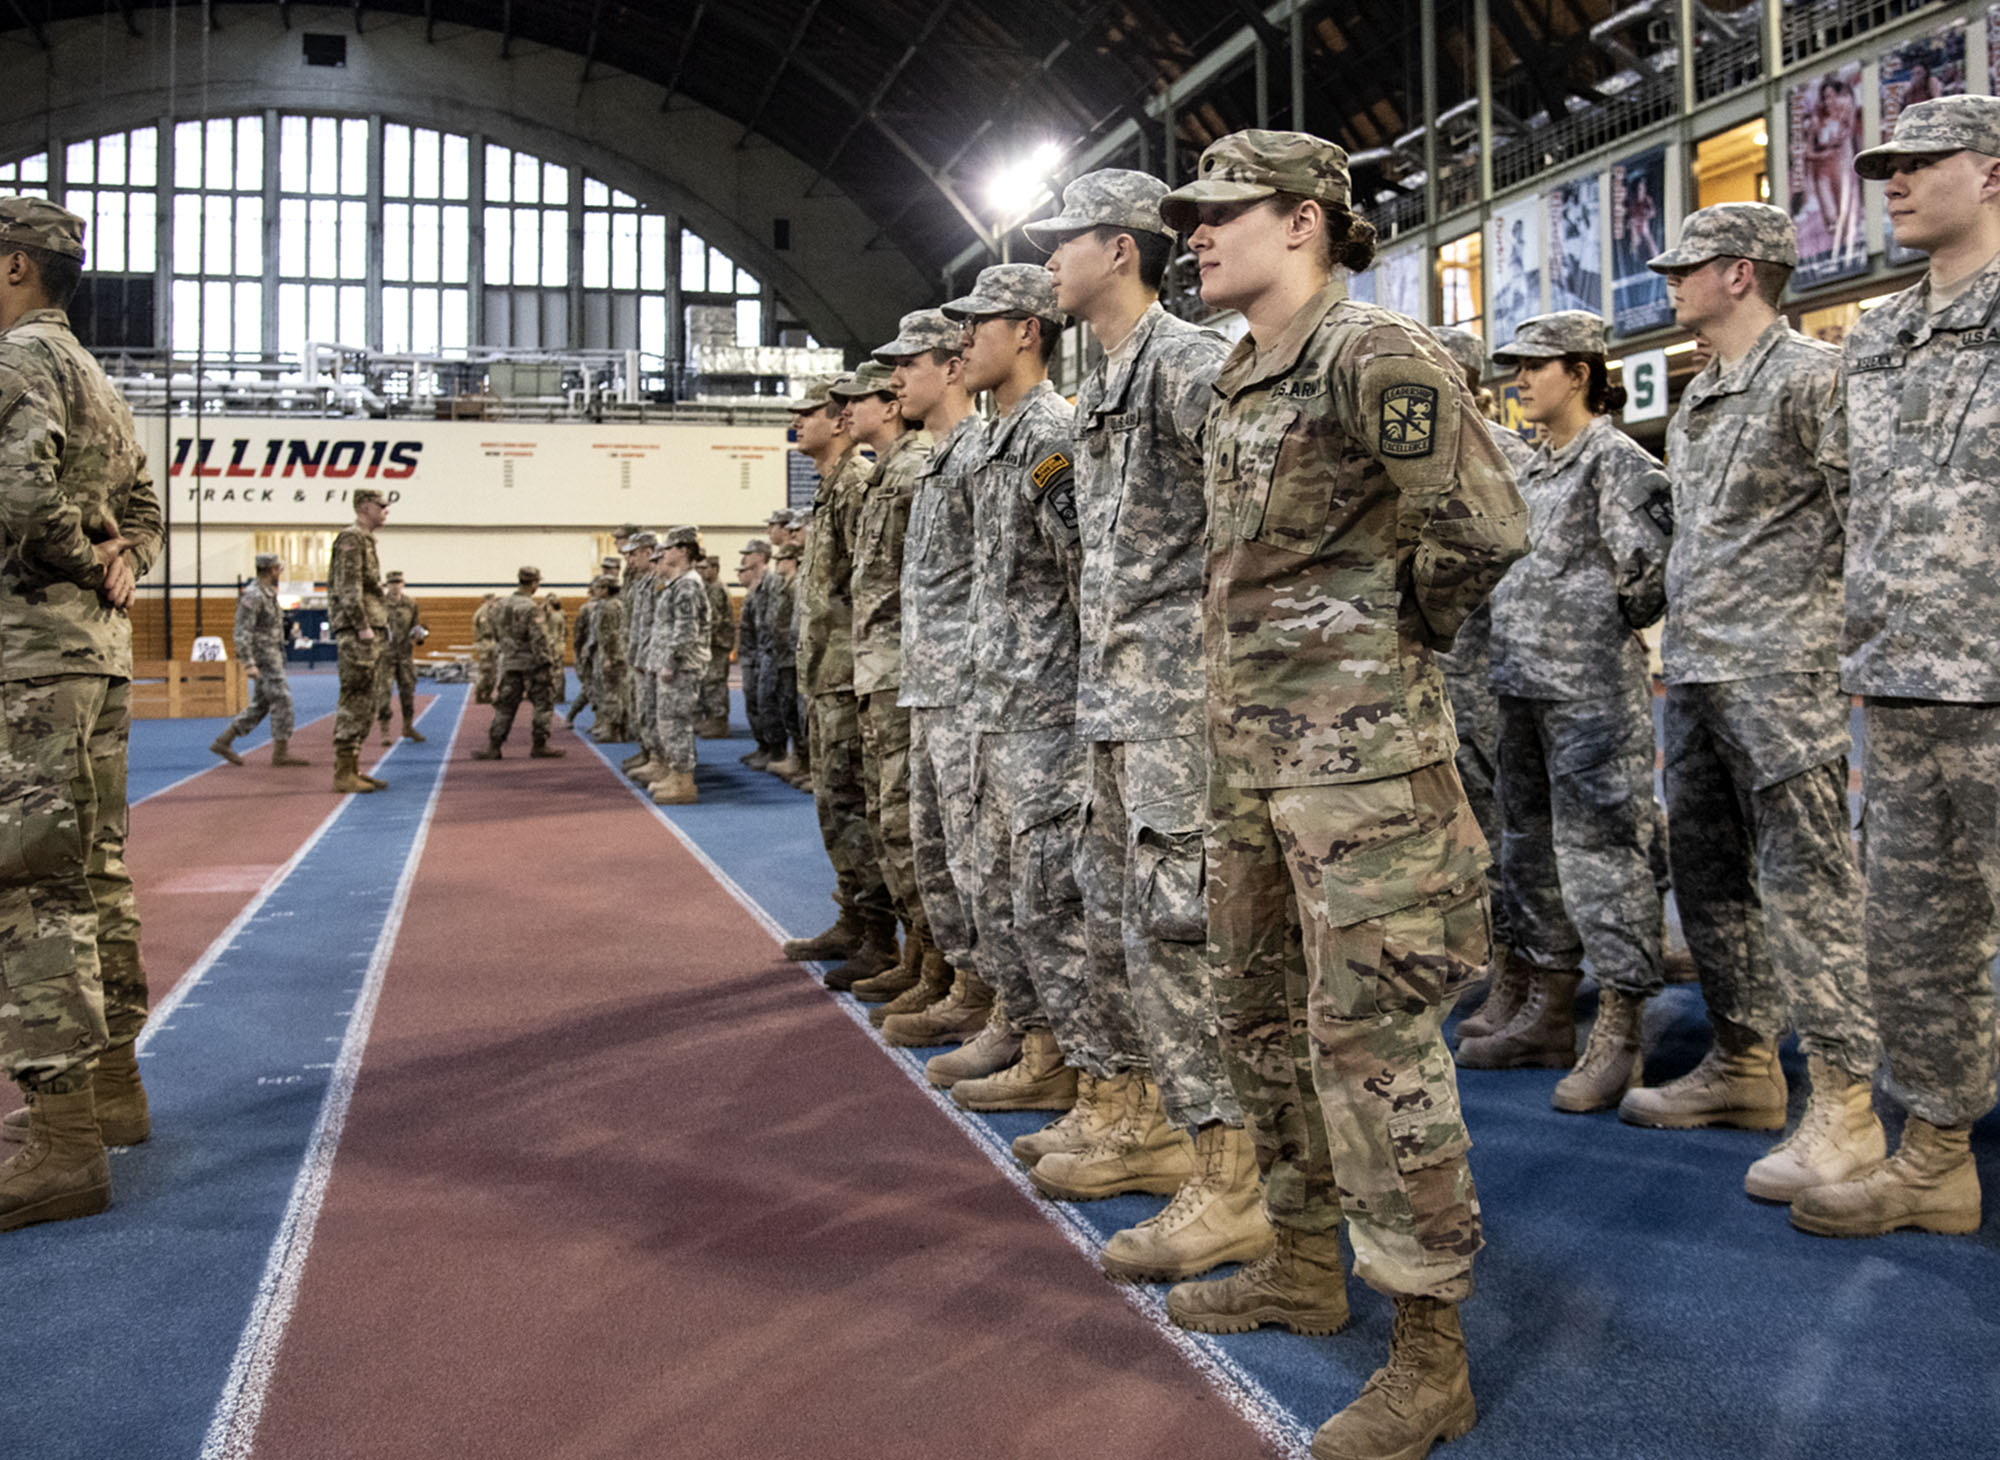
(1408, 427)
(1048, 469)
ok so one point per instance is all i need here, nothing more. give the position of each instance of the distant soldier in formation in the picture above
(556, 637)
(677, 660)
(784, 706)
(521, 635)
(485, 651)
(399, 651)
(713, 721)
(611, 670)
(642, 596)
(753, 636)
(260, 648)
(360, 620)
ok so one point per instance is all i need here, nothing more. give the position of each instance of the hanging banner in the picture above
(1400, 280)
(1919, 70)
(1826, 200)
(1576, 245)
(1638, 201)
(1514, 268)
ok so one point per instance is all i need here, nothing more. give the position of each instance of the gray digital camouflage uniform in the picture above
(1756, 725)
(779, 671)
(1358, 511)
(644, 594)
(71, 475)
(677, 663)
(1914, 433)
(354, 602)
(1576, 721)
(259, 639)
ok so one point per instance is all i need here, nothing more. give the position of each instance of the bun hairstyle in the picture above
(1599, 393)
(1348, 239)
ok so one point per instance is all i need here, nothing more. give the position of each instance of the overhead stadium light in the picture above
(1014, 189)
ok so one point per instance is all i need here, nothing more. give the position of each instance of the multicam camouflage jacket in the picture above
(1914, 439)
(782, 649)
(1599, 521)
(826, 577)
(403, 618)
(1468, 663)
(721, 622)
(73, 476)
(583, 643)
(1140, 509)
(937, 573)
(354, 584)
(1358, 512)
(1753, 576)
(554, 633)
(259, 634)
(680, 628)
(518, 633)
(879, 532)
(751, 629)
(642, 599)
(1024, 586)
(608, 640)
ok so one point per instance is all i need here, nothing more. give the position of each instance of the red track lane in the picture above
(617, 1183)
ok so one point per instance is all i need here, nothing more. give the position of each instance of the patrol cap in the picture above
(1111, 197)
(393, 577)
(1546, 336)
(526, 574)
(38, 223)
(919, 333)
(641, 541)
(365, 494)
(604, 580)
(871, 379)
(1948, 124)
(267, 560)
(1255, 163)
(801, 518)
(611, 562)
(786, 553)
(682, 537)
(782, 517)
(1732, 231)
(1025, 289)
(818, 392)
(630, 529)
(1463, 346)
(757, 545)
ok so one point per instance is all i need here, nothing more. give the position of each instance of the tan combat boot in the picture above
(934, 983)
(281, 754)
(1038, 1080)
(1096, 1110)
(1611, 1062)
(893, 983)
(1738, 1083)
(123, 1118)
(955, 1018)
(542, 750)
(836, 942)
(875, 953)
(1421, 1396)
(1299, 1284)
(346, 778)
(1838, 1136)
(410, 731)
(1508, 991)
(1217, 1216)
(388, 738)
(489, 751)
(1930, 1184)
(222, 746)
(646, 771)
(634, 760)
(785, 767)
(991, 1050)
(61, 1171)
(675, 788)
(1138, 1151)
(1542, 1034)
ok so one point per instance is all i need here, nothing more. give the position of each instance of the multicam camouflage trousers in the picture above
(1930, 848)
(362, 664)
(399, 673)
(1140, 865)
(610, 691)
(269, 695)
(779, 688)
(1475, 715)
(941, 842)
(1763, 862)
(539, 687)
(713, 703)
(840, 796)
(885, 779)
(1342, 922)
(1027, 799)
(677, 704)
(1576, 802)
(71, 981)
(485, 671)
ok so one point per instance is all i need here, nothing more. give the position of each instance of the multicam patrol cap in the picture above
(395, 576)
(871, 379)
(1732, 231)
(1025, 289)
(1463, 346)
(1546, 336)
(756, 545)
(267, 561)
(1948, 124)
(1111, 197)
(38, 223)
(682, 537)
(1253, 164)
(786, 553)
(629, 530)
(526, 574)
(919, 333)
(818, 392)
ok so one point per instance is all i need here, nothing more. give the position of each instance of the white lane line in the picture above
(233, 1430)
(1245, 1393)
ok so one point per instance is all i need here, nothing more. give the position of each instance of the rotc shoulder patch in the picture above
(1048, 469)
(1408, 427)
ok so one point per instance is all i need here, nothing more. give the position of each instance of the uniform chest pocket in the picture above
(1287, 482)
(1710, 460)
(1965, 394)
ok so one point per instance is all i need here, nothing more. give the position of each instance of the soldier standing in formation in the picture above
(360, 622)
(81, 526)
(611, 675)
(713, 721)
(642, 596)
(778, 680)
(485, 651)
(260, 647)
(677, 660)
(555, 635)
(753, 632)
(399, 657)
(583, 650)
(521, 637)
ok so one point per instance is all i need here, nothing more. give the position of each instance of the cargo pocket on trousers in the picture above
(41, 834)
(1170, 878)
(1410, 925)
(1045, 837)
(1429, 1142)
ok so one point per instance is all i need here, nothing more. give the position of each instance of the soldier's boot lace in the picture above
(675, 788)
(1611, 1062)
(1930, 1184)
(1541, 1034)
(1137, 1151)
(1299, 1284)
(1838, 1136)
(1423, 1395)
(992, 1049)
(61, 1171)
(934, 982)
(1513, 975)
(1739, 1083)
(876, 952)
(1038, 1080)
(955, 1018)
(895, 981)
(1096, 1110)
(347, 776)
(281, 754)
(223, 745)
(1216, 1216)
(836, 942)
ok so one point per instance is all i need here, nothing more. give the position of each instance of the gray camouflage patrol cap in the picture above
(1026, 289)
(780, 518)
(786, 553)
(818, 392)
(1463, 346)
(757, 545)
(267, 560)
(611, 562)
(1111, 197)
(630, 529)
(393, 577)
(526, 574)
(38, 223)
(642, 540)
(1253, 164)
(871, 379)
(682, 537)
(918, 334)
(1732, 231)
(1948, 124)
(1544, 337)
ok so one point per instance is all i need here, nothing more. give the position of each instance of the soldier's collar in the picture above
(1738, 377)
(1112, 378)
(1973, 307)
(1247, 365)
(1004, 428)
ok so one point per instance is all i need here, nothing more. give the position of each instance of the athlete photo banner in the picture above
(1638, 233)
(1826, 199)
(1576, 244)
(1918, 70)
